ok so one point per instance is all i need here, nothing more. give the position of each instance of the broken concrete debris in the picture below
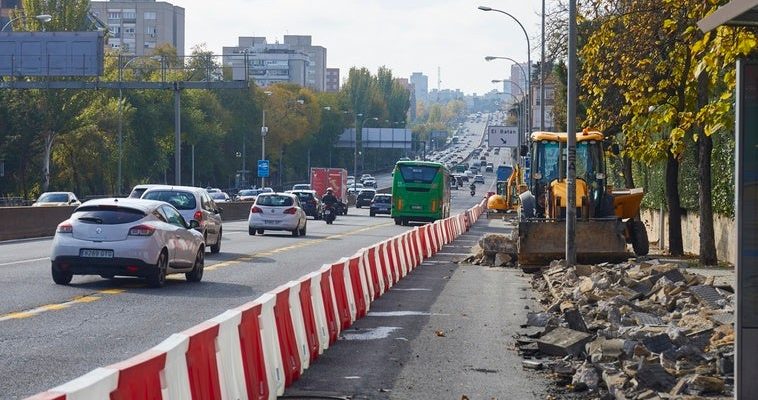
(635, 330)
(495, 250)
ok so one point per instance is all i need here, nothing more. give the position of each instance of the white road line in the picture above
(381, 332)
(412, 289)
(401, 313)
(24, 261)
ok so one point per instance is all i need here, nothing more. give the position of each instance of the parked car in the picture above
(127, 237)
(193, 203)
(246, 195)
(479, 179)
(56, 199)
(277, 212)
(381, 204)
(309, 202)
(301, 186)
(364, 197)
(220, 197)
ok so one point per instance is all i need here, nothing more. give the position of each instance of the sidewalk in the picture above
(444, 332)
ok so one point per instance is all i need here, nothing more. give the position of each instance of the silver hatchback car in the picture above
(127, 237)
(194, 204)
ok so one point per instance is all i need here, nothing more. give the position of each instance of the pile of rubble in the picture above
(646, 330)
(494, 250)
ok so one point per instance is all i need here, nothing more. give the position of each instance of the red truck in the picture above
(335, 178)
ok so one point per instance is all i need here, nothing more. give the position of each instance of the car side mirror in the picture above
(193, 224)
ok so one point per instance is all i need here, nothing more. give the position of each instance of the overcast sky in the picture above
(405, 35)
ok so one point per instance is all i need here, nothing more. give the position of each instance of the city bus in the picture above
(420, 192)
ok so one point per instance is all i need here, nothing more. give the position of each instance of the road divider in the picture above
(256, 350)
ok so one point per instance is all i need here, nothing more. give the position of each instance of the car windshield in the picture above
(218, 196)
(367, 193)
(275, 201)
(53, 198)
(108, 215)
(180, 200)
(137, 193)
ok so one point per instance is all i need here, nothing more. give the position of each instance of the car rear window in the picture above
(305, 196)
(108, 215)
(54, 198)
(382, 199)
(180, 200)
(275, 201)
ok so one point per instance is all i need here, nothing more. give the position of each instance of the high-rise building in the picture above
(295, 61)
(267, 63)
(316, 71)
(549, 104)
(517, 76)
(138, 26)
(421, 84)
(332, 79)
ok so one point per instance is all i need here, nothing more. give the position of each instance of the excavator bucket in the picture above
(543, 241)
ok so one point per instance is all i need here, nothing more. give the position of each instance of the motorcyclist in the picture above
(472, 187)
(329, 198)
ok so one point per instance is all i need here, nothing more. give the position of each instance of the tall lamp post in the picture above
(264, 131)
(355, 152)
(42, 18)
(528, 57)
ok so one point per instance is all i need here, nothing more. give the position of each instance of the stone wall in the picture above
(725, 229)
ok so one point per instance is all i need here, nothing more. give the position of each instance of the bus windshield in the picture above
(418, 173)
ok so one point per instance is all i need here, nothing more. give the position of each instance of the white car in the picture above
(193, 203)
(55, 199)
(301, 186)
(220, 197)
(127, 237)
(277, 212)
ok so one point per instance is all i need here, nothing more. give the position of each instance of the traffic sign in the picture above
(263, 169)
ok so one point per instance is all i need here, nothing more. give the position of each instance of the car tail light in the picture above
(291, 210)
(65, 227)
(198, 216)
(141, 230)
(256, 210)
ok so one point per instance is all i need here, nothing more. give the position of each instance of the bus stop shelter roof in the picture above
(735, 13)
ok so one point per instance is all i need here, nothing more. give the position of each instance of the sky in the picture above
(406, 36)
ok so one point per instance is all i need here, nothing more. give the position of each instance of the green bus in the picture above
(420, 192)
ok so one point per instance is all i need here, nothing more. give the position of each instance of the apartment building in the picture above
(332, 79)
(421, 84)
(138, 26)
(296, 60)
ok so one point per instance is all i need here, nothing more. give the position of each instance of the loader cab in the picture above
(549, 154)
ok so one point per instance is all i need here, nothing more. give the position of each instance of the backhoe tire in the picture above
(640, 242)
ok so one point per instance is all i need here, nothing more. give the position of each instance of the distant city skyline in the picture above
(406, 37)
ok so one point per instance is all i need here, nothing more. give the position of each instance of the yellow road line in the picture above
(115, 291)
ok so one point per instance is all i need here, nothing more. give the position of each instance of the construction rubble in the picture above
(647, 330)
(495, 250)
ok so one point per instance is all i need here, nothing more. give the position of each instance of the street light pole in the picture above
(42, 18)
(355, 152)
(542, 72)
(528, 62)
(264, 131)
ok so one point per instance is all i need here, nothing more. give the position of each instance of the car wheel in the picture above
(357, 205)
(397, 221)
(302, 231)
(250, 231)
(296, 232)
(215, 248)
(158, 279)
(260, 231)
(197, 270)
(107, 276)
(371, 213)
(61, 277)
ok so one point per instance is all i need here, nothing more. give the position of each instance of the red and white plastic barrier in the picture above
(254, 351)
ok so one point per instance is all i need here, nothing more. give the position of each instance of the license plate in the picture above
(271, 221)
(416, 207)
(95, 253)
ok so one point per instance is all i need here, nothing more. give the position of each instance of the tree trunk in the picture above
(49, 137)
(676, 247)
(708, 254)
(628, 177)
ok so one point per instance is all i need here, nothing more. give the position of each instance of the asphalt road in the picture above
(50, 334)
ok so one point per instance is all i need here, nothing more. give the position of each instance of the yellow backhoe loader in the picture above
(606, 220)
(506, 198)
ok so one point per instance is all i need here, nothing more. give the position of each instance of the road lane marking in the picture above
(138, 285)
(412, 289)
(24, 261)
(60, 306)
(401, 314)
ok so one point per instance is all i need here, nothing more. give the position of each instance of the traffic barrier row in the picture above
(258, 349)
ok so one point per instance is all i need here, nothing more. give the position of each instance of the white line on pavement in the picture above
(24, 261)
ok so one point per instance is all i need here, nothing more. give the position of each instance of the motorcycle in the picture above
(329, 215)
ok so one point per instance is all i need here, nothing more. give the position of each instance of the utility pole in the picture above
(542, 73)
(571, 135)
